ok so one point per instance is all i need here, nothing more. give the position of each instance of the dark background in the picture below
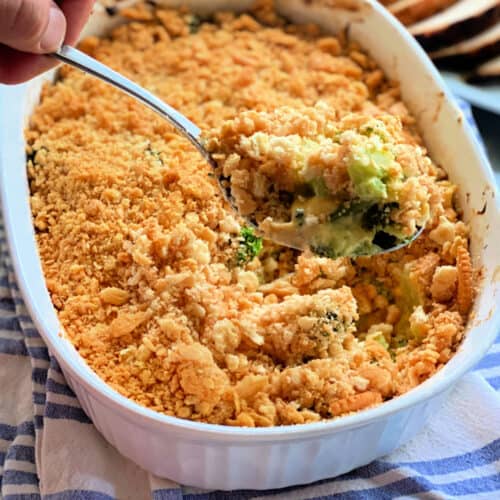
(489, 125)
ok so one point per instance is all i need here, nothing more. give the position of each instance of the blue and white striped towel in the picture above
(50, 450)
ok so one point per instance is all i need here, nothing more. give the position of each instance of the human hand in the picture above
(31, 28)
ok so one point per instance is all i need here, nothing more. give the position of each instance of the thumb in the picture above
(37, 26)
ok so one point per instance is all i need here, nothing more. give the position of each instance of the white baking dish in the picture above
(214, 456)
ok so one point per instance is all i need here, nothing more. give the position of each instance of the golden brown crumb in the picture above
(139, 249)
(355, 403)
(444, 283)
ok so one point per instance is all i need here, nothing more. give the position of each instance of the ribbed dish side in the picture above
(245, 464)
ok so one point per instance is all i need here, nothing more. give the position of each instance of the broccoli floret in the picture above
(368, 173)
(194, 23)
(381, 340)
(363, 248)
(329, 251)
(354, 208)
(378, 215)
(324, 251)
(327, 324)
(250, 246)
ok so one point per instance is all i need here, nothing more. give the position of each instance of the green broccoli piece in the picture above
(194, 23)
(324, 251)
(250, 246)
(378, 215)
(353, 208)
(381, 340)
(368, 176)
(328, 324)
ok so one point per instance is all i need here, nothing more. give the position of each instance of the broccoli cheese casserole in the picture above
(178, 305)
(337, 188)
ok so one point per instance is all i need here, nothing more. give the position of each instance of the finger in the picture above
(77, 13)
(17, 67)
(35, 26)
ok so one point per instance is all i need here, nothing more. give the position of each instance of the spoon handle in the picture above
(78, 59)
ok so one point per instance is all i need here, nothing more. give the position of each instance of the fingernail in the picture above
(54, 34)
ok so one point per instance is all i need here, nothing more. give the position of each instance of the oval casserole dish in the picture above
(213, 456)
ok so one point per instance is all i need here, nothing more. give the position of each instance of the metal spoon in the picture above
(78, 59)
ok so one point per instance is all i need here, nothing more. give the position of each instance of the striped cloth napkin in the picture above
(50, 450)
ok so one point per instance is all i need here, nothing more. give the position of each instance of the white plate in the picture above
(482, 96)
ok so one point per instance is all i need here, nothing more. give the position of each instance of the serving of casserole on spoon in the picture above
(307, 179)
